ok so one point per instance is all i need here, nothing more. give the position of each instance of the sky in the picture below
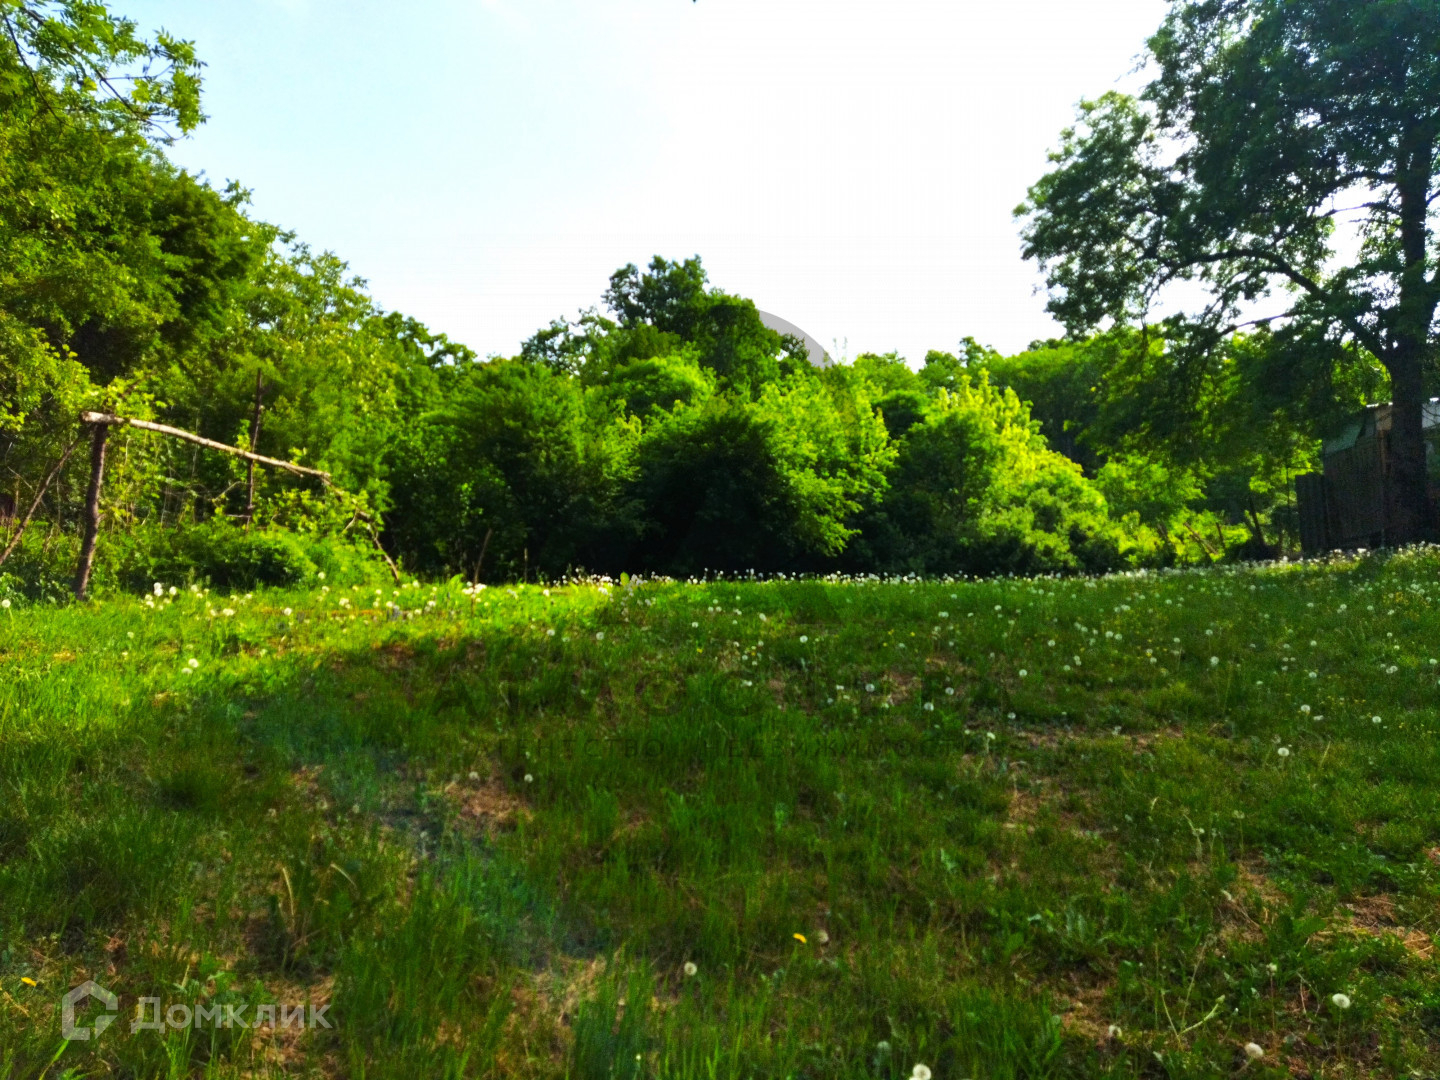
(487, 164)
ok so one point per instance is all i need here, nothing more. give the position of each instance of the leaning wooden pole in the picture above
(198, 440)
(99, 437)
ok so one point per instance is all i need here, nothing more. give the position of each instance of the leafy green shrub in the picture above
(226, 556)
(42, 569)
(217, 553)
(976, 490)
(767, 485)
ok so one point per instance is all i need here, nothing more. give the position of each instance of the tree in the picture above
(508, 476)
(672, 303)
(975, 489)
(74, 57)
(1231, 171)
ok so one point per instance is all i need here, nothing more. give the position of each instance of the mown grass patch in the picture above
(1020, 828)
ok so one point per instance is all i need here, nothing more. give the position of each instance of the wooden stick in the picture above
(105, 419)
(98, 440)
(254, 442)
(35, 504)
(1200, 539)
(375, 538)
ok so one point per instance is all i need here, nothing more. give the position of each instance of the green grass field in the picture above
(1049, 828)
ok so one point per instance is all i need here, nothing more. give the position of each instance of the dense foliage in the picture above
(665, 430)
(1284, 162)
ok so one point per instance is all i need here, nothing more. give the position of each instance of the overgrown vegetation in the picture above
(1026, 828)
(1165, 822)
(667, 430)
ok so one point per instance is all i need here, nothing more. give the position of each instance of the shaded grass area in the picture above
(1117, 827)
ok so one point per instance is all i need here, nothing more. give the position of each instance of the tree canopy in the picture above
(1268, 129)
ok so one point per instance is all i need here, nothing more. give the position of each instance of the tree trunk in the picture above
(98, 440)
(1408, 513)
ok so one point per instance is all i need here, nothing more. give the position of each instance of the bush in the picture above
(216, 552)
(976, 490)
(226, 556)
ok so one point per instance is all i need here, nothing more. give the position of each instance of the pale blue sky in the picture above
(851, 166)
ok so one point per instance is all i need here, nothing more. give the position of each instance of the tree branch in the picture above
(1283, 267)
(35, 505)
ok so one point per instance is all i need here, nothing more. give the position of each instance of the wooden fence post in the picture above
(98, 440)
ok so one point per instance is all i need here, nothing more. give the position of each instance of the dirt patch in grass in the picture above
(488, 805)
(901, 685)
(393, 655)
(1375, 916)
(1250, 904)
(286, 1046)
(1086, 1016)
(1252, 879)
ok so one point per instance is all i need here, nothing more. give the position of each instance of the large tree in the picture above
(1269, 128)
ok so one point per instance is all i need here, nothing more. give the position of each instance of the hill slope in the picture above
(1017, 828)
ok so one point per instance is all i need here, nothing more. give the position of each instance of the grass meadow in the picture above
(1120, 827)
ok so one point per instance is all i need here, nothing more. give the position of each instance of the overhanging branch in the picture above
(1314, 288)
